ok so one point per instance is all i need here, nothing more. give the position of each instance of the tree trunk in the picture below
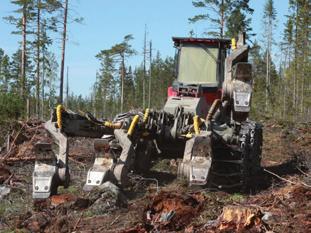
(222, 19)
(61, 86)
(67, 86)
(122, 80)
(150, 73)
(144, 75)
(104, 102)
(23, 62)
(296, 86)
(38, 61)
(267, 80)
(42, 85)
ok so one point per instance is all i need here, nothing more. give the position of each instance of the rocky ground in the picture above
(281, 201)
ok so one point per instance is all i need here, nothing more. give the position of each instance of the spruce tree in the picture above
(228, 16)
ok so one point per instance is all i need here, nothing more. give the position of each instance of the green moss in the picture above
(2, 209)
(164, 165)
(237, 197)
(71, 189)
(10, 231)
(88, 214)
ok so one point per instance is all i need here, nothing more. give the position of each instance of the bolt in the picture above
(46, 187)
(89, 181)
(36, 188)
(97, 182)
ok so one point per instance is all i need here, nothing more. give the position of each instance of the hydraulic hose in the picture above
(213, 109)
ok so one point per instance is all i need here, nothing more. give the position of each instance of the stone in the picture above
(4, 191)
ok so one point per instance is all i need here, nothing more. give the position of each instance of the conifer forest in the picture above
(142, 128)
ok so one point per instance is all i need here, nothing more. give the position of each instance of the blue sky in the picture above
(106, 22)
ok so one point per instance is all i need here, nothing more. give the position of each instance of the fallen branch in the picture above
(286, 180)
(8, 179)
(114, 221)
(21, 159)
(304, 173)
(76, 161)
(138, 179)
(78, 221)
(13, 142)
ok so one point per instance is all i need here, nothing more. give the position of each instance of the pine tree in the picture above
(238, 21)
(119, 53)
(44, 22)
(25, 12)
(228, 16)
(64, 38)
(5, 72)
(269, 24)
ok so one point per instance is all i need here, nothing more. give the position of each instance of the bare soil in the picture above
(277, 203)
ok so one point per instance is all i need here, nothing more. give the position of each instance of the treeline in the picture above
(120, 88)
(32, 79)
(283, 91)
(105, 99)
(282, 87)
(29, 78)
(12, 103)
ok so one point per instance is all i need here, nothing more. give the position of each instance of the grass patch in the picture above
(237, 197)
(71, 189)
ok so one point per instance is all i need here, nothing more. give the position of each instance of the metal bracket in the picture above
(98, 174)
(51, 169)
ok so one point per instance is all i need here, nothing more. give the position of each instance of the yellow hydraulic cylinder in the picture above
(196, 124)
(233, 44)
(59, 110)
(113, 125)
(146, 115)
(132, 126)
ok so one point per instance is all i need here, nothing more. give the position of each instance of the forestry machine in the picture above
(205, 118)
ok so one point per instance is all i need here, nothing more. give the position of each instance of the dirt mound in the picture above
(173, 211)
(21, 143)
(288, 208)
(282, 204)
(237, 218)
(4, 173)
(82, 149)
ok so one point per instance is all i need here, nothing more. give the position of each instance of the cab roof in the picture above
(207, 41)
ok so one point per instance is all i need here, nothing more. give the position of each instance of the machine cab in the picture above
(199, 67)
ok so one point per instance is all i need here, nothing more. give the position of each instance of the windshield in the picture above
(198, 65)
